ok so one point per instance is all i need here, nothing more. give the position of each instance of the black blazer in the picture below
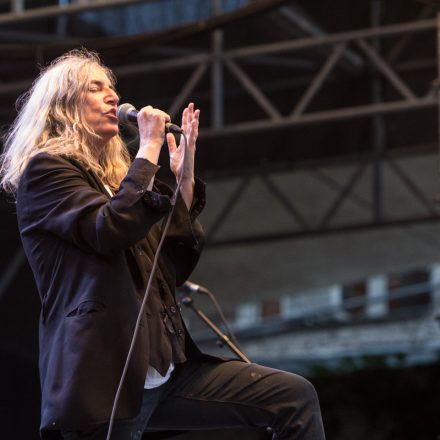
(80, 243)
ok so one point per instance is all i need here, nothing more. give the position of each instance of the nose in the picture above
(112, 97)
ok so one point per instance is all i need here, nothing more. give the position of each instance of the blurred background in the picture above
(319, 147)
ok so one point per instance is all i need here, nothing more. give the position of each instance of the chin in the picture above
(109, 135)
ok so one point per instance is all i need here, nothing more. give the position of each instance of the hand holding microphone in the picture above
(153, 124)
(127, 113)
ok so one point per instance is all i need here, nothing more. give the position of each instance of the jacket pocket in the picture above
(87, 307)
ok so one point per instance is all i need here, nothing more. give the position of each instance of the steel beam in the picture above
(411, 185)
(253, 89)
(386, 69)
(346, 190)
(343, 191)
(295, 234)
(323, 116)
(217, 80)
(276, 120)
(296, 16)
(20, 14)
(187, 89)
(307, 43)
(403, 41)
(284, 201)
(378, 123)
(228, 206)
(158, 66)
(319, 79)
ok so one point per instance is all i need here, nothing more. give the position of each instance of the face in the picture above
(99, 108)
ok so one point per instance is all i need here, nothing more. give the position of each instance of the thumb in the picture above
(171, 141)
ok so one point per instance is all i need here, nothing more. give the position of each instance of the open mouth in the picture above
(112, 114)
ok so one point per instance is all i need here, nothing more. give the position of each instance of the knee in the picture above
(301, 390)
(299, 414)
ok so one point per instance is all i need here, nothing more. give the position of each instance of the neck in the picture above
(97, 148)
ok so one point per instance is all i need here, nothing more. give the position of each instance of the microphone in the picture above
(126, 113)
(190, 287)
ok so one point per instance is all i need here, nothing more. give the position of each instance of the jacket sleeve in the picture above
(185, 238)
(55, 196)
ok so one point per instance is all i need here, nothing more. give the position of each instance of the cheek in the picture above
(90, 115)
(90, 106)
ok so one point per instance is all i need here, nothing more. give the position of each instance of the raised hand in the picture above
(190, 126)
(181, 161)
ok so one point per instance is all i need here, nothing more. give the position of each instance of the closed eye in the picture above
(95, 86)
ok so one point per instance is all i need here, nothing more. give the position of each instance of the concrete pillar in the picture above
(377, 296)
(248, 314)
(336, 301)
(435, 292)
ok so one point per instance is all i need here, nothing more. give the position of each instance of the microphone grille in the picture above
(123, 111)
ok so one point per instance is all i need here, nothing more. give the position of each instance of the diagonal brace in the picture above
(252, 88)
(187, 89)
(277, 192)
(386, 69)
(319, 79)
(412, 186)
(228, 207)
(342, 196)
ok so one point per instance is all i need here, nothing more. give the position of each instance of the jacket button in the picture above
(140, 189)
(173, 309)
(152, 199)
(180, 332)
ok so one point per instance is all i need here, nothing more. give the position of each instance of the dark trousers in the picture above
(213, 395)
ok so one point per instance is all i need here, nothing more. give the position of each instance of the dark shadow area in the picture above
(378, 403)
(381, 403)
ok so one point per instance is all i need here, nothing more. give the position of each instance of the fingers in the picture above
(194, 126)
(151, 114)
(194, 130)
(185, 119)
(189, 114)
(151, 122)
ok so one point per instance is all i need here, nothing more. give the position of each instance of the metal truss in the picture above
(355, 45)
(359, 49)
(326, 222)
(339, 46)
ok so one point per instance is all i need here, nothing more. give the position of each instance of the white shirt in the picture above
(154, 379)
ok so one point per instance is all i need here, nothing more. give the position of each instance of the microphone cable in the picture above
(147, 291)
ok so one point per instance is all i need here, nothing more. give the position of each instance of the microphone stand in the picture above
(187, 301)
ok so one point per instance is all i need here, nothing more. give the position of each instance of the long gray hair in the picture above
(50, 120)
